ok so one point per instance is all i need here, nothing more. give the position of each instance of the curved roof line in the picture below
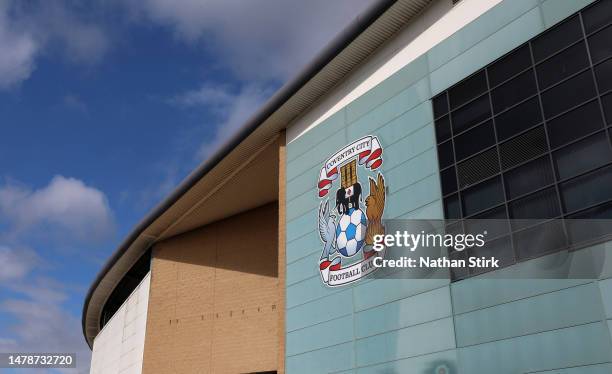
(286, 92)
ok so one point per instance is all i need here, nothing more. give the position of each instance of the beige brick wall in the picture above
(214, 301)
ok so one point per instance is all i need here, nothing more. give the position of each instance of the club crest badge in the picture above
(349, 221)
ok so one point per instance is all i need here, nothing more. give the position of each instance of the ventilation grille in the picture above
(523, 147)
(478, 168)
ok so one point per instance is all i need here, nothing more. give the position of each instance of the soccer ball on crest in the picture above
(350, 232)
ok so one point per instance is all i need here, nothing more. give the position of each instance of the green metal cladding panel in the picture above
(415, 326)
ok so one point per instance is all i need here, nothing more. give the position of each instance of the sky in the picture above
(105, 106)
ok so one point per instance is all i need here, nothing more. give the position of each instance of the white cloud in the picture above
(57, 23)
(230, 107)
(80, 211)
(40, 320)
(259, 40)
(262, 42)
(28, 30)
(17, 51)
(45, 325)
(15, 264)
(215, 97)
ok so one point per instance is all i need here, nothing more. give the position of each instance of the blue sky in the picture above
(105, 106)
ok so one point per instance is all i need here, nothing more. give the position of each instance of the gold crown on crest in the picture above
(349, 174)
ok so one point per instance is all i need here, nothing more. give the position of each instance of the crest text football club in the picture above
(350, 214)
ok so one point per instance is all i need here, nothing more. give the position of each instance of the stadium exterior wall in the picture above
(246, 294)
(120, 345)
(419, 326)
(214, 301)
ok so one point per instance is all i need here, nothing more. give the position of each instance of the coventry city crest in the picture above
(348, 225)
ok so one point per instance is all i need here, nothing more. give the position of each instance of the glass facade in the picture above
(528, 137)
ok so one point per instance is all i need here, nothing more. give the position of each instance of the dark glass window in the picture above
(541, 204)
(583, 156)
(482, 196)
(526, 139)
(468, 89)
(513, 91)
(539, 240)
(474, 224)
(603, 72)
(495, 213)
(126, 285)
(471, 114)
(529, 177)
(600, 45)
(556, 38)
(443, 130)
(562, 65)
(451, 207)
(449, 181)
(519, 118)
(597, 16)
(587, 190)
(575, 124)
(474, 140)
(529, 209)
(568, 94)
(500, 248)
(440, 105)
(606, 102)
(580, 231)
(599, 212)
(510, 65)
(445, 154)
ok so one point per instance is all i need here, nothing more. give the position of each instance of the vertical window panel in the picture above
(597, 16)
(471, 114)
(468, 89)
(557, 38)
(539, 205)
(560, 66)
(452, 210)
(529, 177)
(514, 91)
(519, 118)
(443, 130)
(440, 105)
(587, 190)
(482, 196)
(445, 154)
(606, 102)
(449, 181)
(583, 156)
(603, 74)
(496, 228)
(474, 140)
(575, 124)
(599, 44)
(568, 94)
(539, 240)
(510, 65)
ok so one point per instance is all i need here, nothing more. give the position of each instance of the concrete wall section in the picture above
(118, 348)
